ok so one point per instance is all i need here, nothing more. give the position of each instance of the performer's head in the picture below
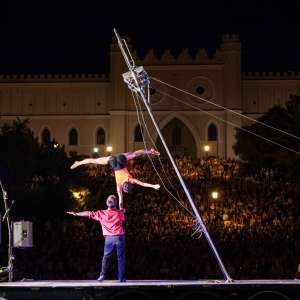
(127, 187)
(111, 201)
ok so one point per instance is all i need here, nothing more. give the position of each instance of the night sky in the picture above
(70, 37)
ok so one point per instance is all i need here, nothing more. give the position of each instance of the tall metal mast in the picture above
(9, 226)
(136, 79)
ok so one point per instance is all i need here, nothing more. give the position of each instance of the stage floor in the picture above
(150, 289)
(145, 283)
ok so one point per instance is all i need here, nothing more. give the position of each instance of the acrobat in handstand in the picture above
(118, 162)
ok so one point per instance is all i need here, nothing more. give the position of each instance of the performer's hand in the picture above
(154, 152)
(71, 213)
(75, 165)
(156, 186)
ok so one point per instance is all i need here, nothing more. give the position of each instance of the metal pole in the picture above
(195, 210)
(139, 90)
(10, 254)
(9, 227)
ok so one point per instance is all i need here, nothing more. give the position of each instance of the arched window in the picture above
(73, 137)
(46, 136)
(212, 132)
(138, 134)
(176, 136)
(100, 137)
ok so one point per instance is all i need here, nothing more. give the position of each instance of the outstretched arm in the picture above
(79, 214)
(99, 161)
(132, 155)
(120, 195)
(154, 186)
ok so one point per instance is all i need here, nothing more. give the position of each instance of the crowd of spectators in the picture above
(254, 224)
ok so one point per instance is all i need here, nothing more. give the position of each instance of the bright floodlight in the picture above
(206, 148)
(215, 195)
(109, 148)
(95, 150)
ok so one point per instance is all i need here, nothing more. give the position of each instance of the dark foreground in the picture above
(151, 290)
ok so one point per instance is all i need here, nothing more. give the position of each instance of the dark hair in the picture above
(111, 201)
(121, 160)
(117, 162)
(127, 187)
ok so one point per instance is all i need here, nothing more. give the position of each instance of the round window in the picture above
(200, 90)
(201, 87)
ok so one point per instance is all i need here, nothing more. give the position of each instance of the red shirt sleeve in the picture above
(95, 215)
(111, 221)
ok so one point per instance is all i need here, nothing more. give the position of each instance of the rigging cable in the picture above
(153, 143)
(144, 141)
(197, 227)
(228, 122)
(225, 108)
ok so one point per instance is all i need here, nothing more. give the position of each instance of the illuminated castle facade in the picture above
(87, 111)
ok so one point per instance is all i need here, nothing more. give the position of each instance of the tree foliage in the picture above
(261, 153)
(18, 151)
(35, 175)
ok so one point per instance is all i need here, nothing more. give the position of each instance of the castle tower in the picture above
(231, 49)
(118, 98)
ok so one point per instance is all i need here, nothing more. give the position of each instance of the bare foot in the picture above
(154, 152)
(75, 165)
(71, 213)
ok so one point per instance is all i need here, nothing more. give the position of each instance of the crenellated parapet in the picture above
(79, 77)
(230, 38)
(168, 58)
(271, 75)
(183, 58)
(230, 42)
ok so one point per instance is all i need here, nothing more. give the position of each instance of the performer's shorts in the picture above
(117, 162)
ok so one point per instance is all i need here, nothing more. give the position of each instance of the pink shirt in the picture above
(111, 220)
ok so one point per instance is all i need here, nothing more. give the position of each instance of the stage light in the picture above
(76, 195)
(55, 145)
(206, 148)
(80, 195)
(3, 275)
(109, 149)
(95, 150)
(215, 195)
(3, 270)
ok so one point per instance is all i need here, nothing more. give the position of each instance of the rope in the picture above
(144, 141)
(229, 122)
(225, 108)
(198, 230)
(154, 146)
